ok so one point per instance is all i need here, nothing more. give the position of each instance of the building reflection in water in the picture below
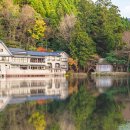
(102, 83)
(19, 90)
(105, 82)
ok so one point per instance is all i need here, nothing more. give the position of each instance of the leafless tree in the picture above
(66, 26)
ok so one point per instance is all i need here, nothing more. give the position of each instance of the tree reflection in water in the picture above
(80, 111)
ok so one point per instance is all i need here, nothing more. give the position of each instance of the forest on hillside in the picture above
(81, 28)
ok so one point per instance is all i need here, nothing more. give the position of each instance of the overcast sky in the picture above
(124, 7)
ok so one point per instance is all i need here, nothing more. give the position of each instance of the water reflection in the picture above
(117, 88)
(14, 90)
(105, 98)
(17, 90)
(103, 83)
(125, 126)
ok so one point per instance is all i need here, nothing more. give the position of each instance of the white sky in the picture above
(124, 7)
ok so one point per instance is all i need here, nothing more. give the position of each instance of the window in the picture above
(33, 83)
(34, 91)
(37, 60)
(1, 50)
(34, 67)
(49, 65)
(57, 65)
(64, 59)
(14, 66)
(23, 84)
(57, 58)
(64, 67)
(50, 84)
(38, 67)
(41, 67)
(41, 91)
(23, 67)
(3, 58)
(33, 60)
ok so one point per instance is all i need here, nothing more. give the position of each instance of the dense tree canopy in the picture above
(79, 27)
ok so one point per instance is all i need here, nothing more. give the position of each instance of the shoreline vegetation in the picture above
(111, 73)
(76, 74)
(84, 75)
(85, 30)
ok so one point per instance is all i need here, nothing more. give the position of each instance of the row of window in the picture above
(33, 60)
(43, 67)
(64, 59)
(37, 60)
(54, 59)
(104, 66)
(39, 84)
(58, 59)
(32, 67)
(4, 58)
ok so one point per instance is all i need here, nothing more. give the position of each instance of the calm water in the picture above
(107, 102)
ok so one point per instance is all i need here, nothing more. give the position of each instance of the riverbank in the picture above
(111, 73)
(82, 75)
(79, 75)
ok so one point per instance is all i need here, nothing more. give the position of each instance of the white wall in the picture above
(64, 60)
(104, 68)
(3, 50)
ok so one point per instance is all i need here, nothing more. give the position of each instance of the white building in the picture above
(103, 66)
(18, 62)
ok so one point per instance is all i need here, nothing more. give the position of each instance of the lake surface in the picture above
(103, 103)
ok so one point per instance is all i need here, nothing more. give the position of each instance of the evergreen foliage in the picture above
(79, 27)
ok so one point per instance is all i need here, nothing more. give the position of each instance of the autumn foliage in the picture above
(38, 121)
(73, 64)
(41, 49)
